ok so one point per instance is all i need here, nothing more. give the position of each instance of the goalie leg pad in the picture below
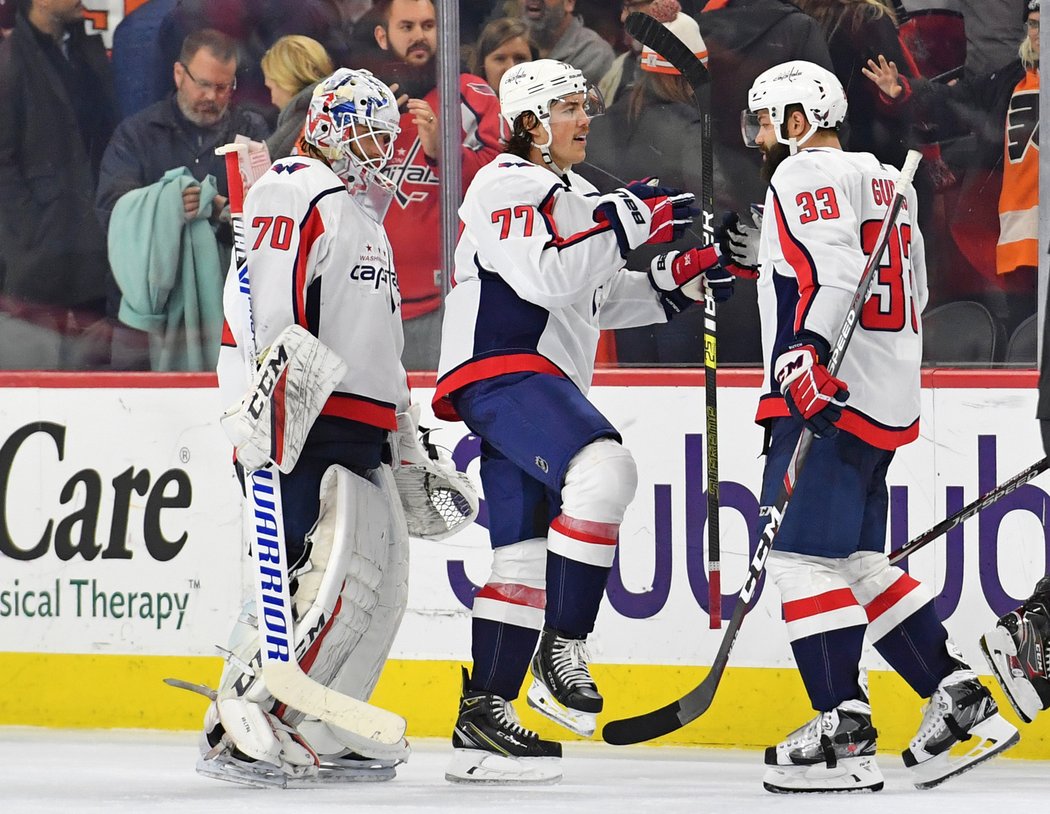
(362, 519)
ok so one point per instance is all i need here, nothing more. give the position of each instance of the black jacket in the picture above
(52, 246)
(744, 39)
(160, 138)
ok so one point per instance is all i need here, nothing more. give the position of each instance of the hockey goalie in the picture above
(311, 366)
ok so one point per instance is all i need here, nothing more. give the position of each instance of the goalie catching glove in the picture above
(437, 499)
(643, 212)
(681, 278)
(294, 379)
(811, 392)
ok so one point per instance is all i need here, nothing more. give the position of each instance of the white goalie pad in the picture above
(353, 581)
(360, 672)
(438, 500)
(295, 377)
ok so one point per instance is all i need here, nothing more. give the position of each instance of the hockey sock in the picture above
(501, 655)
(574, 592)
(829, 665)
(917, 649)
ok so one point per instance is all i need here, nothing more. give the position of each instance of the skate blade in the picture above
(477, 767)
(994, 736)
(998, 646)
(334, 776)
(544, 702)
(257, 776)
(849, 775)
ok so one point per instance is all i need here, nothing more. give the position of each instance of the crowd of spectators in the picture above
(114, 224)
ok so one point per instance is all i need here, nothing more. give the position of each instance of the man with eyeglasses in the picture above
(181, 131)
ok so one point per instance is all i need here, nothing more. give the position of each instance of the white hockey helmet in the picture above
(352, 107)
(816, 89)
(531, 87)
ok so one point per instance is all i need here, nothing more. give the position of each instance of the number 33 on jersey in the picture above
(823, 212)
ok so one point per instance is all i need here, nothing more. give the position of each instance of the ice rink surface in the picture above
(46, 771)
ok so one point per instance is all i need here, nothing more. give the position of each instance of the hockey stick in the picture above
(281, 670)
(657, 36)
(970, 509)
(696, 702)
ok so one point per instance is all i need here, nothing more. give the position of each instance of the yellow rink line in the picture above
(755, 707)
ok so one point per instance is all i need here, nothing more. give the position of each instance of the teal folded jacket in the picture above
(169, 272)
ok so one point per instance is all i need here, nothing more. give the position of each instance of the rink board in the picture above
(119, 561)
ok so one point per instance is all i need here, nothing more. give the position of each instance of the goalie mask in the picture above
(816, 89)
(353, 121)
(533, 86)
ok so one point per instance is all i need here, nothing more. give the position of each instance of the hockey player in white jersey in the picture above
(323, 307)
(822, 212)
(539, 271)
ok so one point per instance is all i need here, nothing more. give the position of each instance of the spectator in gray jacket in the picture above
(560, 35)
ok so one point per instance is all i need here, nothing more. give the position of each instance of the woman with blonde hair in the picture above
(292, 68)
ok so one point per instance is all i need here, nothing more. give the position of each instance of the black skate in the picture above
(960, 709)
(1016, 651)
(562, 687)
(834, 752)
(491, 746)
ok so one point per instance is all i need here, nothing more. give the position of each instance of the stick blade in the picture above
(657, 36)
(665, 720)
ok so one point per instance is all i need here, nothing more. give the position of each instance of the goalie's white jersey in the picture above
(317, 259)
(536, 280)
(822, 215)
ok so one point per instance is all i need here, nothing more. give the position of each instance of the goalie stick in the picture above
(284, 677)
(970, 509)
(696, 702)
(657, 36)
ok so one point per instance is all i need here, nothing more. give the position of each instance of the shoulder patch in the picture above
(289, 168)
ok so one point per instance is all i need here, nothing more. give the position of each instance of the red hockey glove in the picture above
(681, 278)
(644, 213)
(812, 394)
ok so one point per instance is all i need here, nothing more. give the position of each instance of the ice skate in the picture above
(1016, 650)
(222, 760)
(562, 687)
(961, 709)
(835, 752)
(491, 746)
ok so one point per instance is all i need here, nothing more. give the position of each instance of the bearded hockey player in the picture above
(822, 214)
(539, 271)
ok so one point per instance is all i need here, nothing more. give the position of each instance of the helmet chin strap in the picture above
(794, 143)
(545, 149)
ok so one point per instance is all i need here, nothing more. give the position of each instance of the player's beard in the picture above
(771, 159)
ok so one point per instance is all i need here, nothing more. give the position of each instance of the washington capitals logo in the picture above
(406, 171)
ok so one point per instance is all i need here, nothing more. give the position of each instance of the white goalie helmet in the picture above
(352, 109)
(532, 86)
(816, 89)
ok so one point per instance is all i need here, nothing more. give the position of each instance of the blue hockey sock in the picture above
(917, 650)
(501, 653)
(574, 592)
(830, 666)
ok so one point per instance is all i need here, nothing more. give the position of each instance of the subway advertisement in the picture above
(121, 562)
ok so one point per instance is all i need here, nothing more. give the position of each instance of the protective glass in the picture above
(749, 127)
